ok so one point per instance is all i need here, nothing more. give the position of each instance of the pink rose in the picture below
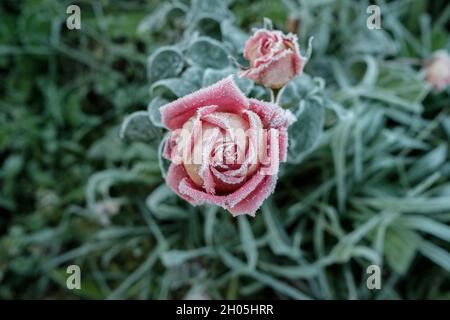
(274, 58)
(224, 148)
(438, 70)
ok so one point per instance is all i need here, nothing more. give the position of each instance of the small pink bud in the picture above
(274, 58)
(438, 70)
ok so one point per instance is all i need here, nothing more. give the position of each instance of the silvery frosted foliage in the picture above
(371, 188)
(138, 127)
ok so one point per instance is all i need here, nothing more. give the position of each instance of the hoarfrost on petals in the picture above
(274, 58)
(272, 115)
(254, 200)
(230, 147)
(225, 94)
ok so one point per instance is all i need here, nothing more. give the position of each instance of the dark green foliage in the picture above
(372, 188)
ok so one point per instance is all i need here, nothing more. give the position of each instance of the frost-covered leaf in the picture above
(172, 88)
(291, 96)
(166, 62)
(162, 202)
(248, 241)
(305, 132)
(445, 122)
(301, 87)
(13, 165)
(214, 8)
(153, 110)
(235, 36)
(163, 163)
(246, 85)
(260, 92)
(435, 253)
(158, 17)
(402, 81)
(429, 163)
(194, 75)
(176, 257)
(109, 147)
(398, 85)
(211, 76)
(399, 248)
(206, 25)
(208, 53)
(373, 42)
(427, 225)
(138, 127)
(267, 23)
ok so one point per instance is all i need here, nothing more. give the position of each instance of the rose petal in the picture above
(228, 177)
(170, 145)
(187, 188)
(298, 60)
(190, 191)
(253, 43)
(208, 181)
(250, 204)
(279, 71)
(277, 47)
(175, 174)
(283, 145)
(257, 144)
(225, 94)
(205, 173)
(274, 58)
(271, 156)
(272, 115)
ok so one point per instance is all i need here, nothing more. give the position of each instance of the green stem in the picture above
(276, 94)
(272, 95)
(279, 95)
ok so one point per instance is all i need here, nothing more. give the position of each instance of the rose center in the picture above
(222, 144)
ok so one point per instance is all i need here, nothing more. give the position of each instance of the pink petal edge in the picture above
(225, 94)
(272, 115)
(175, 174)
(254, 200)
(245, 200)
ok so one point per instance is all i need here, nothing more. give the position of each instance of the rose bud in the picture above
(274, 58)
(438, 70)
(224, 148)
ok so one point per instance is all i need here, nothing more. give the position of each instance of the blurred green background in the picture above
(376, 189)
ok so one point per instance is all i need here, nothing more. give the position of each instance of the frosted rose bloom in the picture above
(224, 148)
(438, 70)
(274, 58)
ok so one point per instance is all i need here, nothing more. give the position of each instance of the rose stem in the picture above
(275, 95)
(272, 95)
(279, 95)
